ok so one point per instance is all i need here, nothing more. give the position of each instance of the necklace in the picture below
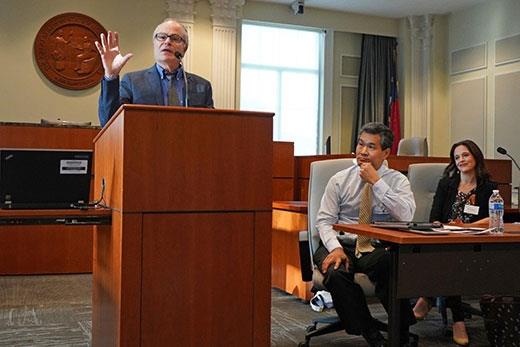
(467, 187)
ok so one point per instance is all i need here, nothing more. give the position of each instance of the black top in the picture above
(446, 194)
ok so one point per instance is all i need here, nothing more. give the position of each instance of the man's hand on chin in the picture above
(368, 173)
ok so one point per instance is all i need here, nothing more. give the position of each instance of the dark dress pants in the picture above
(454, 303)
(348, 297)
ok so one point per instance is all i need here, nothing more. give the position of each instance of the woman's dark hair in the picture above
(480, 168)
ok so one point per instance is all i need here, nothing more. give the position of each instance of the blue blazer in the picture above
(144, 87)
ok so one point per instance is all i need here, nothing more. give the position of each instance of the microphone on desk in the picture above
(503, 151)
(179, 56)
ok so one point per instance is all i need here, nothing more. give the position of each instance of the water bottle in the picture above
(496, 212)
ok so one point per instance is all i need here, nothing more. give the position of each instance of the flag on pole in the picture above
(393, 112)
(394, 120)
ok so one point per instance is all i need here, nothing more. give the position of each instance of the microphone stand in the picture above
(179, 56)
(503, 151)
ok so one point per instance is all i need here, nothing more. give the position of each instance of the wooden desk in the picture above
(289, 218)
(423, 265)
(47, 241)
(46, 249)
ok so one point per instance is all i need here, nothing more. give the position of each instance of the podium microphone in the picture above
(503, 151)
(179, 56)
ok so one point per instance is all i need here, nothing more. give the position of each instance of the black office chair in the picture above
(320, 173)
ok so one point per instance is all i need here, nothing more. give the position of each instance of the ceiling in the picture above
(388, 8)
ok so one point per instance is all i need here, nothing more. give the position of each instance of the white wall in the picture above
(486, 24)
(437, 133)
(27, 95)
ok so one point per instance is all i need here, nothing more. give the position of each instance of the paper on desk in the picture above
(466, 230)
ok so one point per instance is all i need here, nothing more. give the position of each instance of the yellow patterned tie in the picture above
(365, 214)
(173, 99)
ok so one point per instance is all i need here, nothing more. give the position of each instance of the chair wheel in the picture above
(303, 344)
(310, 328)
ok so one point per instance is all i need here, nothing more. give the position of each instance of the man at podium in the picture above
(165, 83)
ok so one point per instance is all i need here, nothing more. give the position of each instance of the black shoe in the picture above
(374, 338)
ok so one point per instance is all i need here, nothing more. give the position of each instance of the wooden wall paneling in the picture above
(506, 192)
(278, 256)
(283, 159)
(283, 189)
(283, 170)
(45, 249)
(302, 187)
(401, 162)
(286, 269)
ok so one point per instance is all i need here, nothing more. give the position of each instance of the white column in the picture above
(421, 28)
(225, 14)
(183, 12)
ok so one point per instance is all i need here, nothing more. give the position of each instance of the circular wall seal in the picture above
(65, 52)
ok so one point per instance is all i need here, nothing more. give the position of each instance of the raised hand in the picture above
(110, 54)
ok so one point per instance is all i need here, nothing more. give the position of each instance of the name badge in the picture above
(471, 209)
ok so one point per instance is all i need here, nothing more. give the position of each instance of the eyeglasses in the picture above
(161, 37)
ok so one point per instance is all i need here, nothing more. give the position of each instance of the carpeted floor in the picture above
(291, 316)
(56, 311)
(45, 310)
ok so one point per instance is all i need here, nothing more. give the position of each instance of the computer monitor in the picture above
(44, 178)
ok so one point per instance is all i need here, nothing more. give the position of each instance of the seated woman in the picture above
(462, 197)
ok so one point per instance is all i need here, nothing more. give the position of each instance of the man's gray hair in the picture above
(186, 36)
(375, 128)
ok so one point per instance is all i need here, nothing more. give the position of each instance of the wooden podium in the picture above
(187, 259)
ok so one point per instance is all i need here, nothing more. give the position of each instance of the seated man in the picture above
(366, 192)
